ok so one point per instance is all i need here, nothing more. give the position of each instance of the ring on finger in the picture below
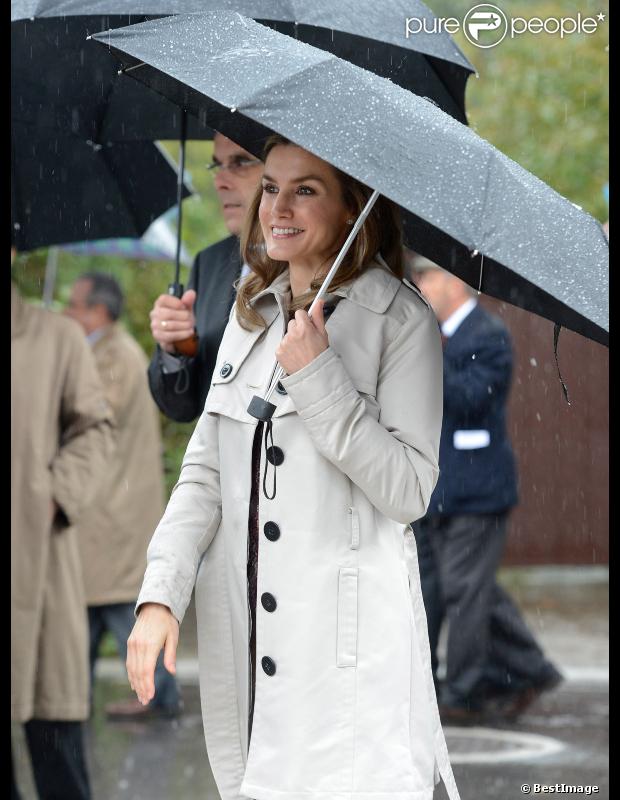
(164, 324)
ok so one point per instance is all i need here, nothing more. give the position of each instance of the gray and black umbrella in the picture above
(59, 83)
(65, 190)
(466, 206)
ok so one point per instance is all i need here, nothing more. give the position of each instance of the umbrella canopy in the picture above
(66, 190)
(79, 90)
(466, 205)
(157, 244)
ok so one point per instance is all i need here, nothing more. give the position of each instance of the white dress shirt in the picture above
(450, 325)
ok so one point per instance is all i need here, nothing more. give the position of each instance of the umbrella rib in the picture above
(251, 99)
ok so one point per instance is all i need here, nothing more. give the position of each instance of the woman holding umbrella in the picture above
(313, 650)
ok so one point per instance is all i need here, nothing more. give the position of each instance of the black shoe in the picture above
(461, 715)
(517, 702)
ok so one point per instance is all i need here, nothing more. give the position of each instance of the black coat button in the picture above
(280, 389)
(269, 665)
(268, 601)
(226, 370)
(275, 456)
(272, 531)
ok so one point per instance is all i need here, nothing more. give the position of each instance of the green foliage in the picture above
(542, 100)
(108, 647)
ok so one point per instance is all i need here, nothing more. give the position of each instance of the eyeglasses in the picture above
(237, 165)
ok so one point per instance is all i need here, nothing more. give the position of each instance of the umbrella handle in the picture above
(189, 346)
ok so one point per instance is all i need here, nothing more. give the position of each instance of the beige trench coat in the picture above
(61, 438)
(115, 530)
(346, 708)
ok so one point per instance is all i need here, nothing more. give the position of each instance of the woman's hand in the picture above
(305, 339)
(155, 628)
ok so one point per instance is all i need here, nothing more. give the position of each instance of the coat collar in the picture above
(106, 334)
(278, 290)
(279, 287)
(374, 289)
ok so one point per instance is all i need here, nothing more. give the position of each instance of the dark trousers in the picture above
(58, 761)
(118, 618)
(490, 650)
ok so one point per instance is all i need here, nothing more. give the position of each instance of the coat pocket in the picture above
(346, 648)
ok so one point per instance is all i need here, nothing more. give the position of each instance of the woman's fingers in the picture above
(303, 321)
(318, 318)
(170, 653)
(155, 628)
(147, 654)
(135, 666)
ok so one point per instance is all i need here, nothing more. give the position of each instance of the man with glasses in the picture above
(179, 383)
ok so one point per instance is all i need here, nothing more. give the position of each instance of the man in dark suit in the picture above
(179, 384)
(491, 654)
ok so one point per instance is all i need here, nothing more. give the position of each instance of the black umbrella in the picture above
(66, 190)
(466, 206)
(79, 89)
(60, 83)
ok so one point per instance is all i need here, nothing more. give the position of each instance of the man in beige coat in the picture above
(61, 439)
(116, 530)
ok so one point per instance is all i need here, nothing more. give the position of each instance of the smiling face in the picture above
(235, 188)
(302, 214)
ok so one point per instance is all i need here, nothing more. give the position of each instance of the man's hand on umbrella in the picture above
(172, 319)
(306, 338)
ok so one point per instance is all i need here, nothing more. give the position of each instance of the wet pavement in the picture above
(561, 739)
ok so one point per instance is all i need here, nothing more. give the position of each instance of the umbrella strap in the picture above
(269, 434)
(556, 335)
(182, 382)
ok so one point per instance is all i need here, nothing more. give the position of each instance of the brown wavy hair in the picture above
(380, 233)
